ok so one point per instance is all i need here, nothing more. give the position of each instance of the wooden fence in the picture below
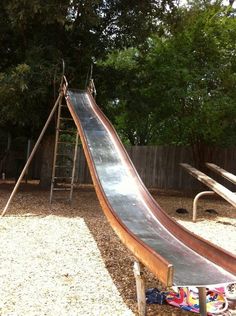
(158, 166)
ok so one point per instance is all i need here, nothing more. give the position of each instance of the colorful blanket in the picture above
(187, 299)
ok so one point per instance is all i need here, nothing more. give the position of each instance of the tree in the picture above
(202, 57)
(28, 69)
(182, 82)
(130, 107)
(35, 36)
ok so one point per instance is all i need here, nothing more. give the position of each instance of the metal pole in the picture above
(196, 200)
(32, 154)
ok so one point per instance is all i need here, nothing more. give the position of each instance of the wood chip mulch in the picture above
(66, 260)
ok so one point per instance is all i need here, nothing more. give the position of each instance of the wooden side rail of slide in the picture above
(227, 175)
(214, 185)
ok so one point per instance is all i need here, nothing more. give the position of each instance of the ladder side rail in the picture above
(74, 164)
(55, 151)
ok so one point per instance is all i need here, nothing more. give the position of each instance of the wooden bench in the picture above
(212, 184)
(227, 175)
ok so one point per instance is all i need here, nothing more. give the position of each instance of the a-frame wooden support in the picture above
(32, 153)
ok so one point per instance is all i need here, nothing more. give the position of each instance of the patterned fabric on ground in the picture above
(187, 299)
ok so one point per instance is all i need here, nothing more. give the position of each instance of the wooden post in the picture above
(8, 141)
(202, 301)
(140, 288)
(27, 157)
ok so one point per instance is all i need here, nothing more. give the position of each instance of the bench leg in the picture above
(140, 288)
(202, 301)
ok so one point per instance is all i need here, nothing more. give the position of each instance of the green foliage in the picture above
(166, 74)
(35, 35)
(180, 88)
(132, 107)
(12, 87)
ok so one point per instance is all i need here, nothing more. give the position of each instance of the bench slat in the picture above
(227, 175)
(214, 185)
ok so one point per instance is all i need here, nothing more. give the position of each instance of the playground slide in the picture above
(172, 253)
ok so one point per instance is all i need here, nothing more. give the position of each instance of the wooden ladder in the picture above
(64, 165)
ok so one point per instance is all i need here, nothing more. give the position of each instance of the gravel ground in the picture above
(218, 228)
(66, 260)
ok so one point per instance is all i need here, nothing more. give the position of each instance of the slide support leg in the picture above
(202, 301)
(140, 288)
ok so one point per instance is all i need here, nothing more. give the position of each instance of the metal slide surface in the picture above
(158, 241)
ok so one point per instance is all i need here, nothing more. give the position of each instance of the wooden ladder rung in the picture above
(66, 131)
(66, 119)
(63, 166)
(63, 183)
(59, 154)
(67, 143)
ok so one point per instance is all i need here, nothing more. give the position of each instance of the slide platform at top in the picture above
(172, 253)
